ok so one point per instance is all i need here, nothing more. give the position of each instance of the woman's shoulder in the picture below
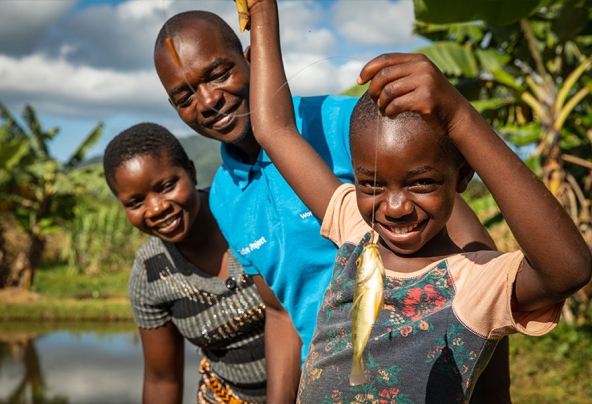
(150, 248)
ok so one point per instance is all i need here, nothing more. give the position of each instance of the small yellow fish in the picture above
(368, 300)
(244, 18)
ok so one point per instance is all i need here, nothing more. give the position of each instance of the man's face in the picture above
(210, 87)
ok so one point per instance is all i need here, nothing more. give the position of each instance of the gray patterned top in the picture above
(225, 318)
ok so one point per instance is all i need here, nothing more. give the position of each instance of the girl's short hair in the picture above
(141, 140)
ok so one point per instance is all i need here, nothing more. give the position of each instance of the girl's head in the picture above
(150, 174)
(406, 176)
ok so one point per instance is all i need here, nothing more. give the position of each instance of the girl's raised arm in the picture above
(558, 261)
(272, 115)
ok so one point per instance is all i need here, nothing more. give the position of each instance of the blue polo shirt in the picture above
(269, 228)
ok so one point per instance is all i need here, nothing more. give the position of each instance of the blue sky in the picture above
(78, 62)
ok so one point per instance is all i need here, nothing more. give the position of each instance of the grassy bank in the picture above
(66, 310)
(60, 296)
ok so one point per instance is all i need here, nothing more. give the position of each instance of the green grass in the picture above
(58, 282)
(73, 298)
(554, 368)
(55, 310)
(44, 327)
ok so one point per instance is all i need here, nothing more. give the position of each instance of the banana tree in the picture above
(34, 187)
(12, 151)
(531, 80)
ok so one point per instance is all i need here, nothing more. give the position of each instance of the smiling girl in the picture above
(185, 282)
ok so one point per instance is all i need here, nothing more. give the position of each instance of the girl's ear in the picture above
(465, 174)
(192, 173)
(247, 53)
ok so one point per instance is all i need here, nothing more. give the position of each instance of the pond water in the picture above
(62, 365)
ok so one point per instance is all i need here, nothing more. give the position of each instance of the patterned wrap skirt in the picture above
(214, 390)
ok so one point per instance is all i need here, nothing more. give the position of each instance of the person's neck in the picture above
(247, 149)
(205, 246)
(436, 249)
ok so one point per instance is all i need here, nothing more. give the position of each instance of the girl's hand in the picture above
(411, 82)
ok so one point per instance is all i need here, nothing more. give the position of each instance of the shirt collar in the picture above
(240, 171)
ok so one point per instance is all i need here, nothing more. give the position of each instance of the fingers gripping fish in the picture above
(368, 300)
(244, 18)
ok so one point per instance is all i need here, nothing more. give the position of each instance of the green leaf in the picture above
(14, 129)
(452, 58)
(48, 226)
(38, 137)
(91, 139)
(499, 12)
(490, 59)
(492, 104)
(504, 78)
(11, 152)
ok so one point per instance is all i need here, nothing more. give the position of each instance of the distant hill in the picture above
(204, 152)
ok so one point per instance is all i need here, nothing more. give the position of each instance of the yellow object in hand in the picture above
(244, 18)
(368, 300)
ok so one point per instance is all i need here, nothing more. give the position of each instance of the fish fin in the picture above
(357, 376)
(378, 307)
(355, 302)
(363, 281)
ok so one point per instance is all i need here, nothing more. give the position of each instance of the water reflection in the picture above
(88, 363)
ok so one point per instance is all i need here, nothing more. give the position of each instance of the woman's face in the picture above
(158, 197)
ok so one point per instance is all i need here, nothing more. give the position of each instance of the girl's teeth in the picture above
(403, 229)
(167, 222)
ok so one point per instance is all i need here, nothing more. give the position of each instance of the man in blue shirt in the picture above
(205, 73)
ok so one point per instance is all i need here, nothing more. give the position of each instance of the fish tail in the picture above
(357, 376)
(244, 17)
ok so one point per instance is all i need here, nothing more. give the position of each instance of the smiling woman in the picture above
(185, 282)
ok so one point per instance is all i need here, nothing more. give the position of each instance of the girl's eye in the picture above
(132, 205)
(425, 181)
(368, 186)
(168, 186)
(424, 184)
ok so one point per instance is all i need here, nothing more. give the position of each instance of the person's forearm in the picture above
(271, 100)
(162, 393)
(282, 356)
(272, 116)
(466, 230)
(533, 214)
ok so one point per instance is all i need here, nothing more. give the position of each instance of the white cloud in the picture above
(141, 9)
(94, 62)
(375, 22)
(57, 87)
(313, 74)
(23, 23)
